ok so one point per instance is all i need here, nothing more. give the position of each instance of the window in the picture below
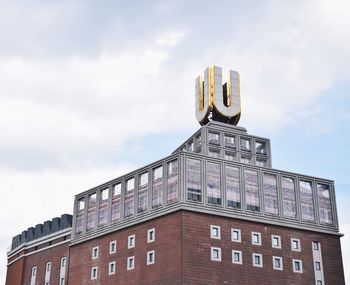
(256, 238)
(215, 253)
(245, 144)
(297, 266)
(150, 257)
(111, 268)
(230, 156)
(230, 141)
(214, 138)
(172, 178)
(259, 161)
(63, 262)
(276, 241)
(236, 235)
(95, 252)
(62, 281)
(48, 267)
(213, 183)
(324, 202)
(94, 272)
(142, 193)
(48, 273)
(130, 264)
(307, 204)
(214, 152)
(151, 235)
(237, 256)
(260, 148)
(246, 159)
(157, 186)
(319, 282)
(252, 190)
(34, 271)
(270, 193)
(295, 244)
(277, 263)
(191, 146)
(257, 260)
(33, 277)
(233, 194)
(315, 246)
(112, 247)
(215, 232)
(131, 241)
(193, 180)
(318, 266)
(104, 194)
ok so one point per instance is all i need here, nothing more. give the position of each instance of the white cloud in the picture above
(169, 39)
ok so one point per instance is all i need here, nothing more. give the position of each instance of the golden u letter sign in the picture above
(215, 101)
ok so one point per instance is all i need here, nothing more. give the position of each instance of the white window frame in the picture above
(281, 262)
(292, 240)
(62, 281)
(261, 260)
(315, 246)
(279, 241)
(301, 265)
(95, 252)
(112, 247)
(239, 252)
(63, 262)
(319, 282)
(238, 231)
(151, 253)
(214, 249)
(132, 266)
(94, 270)
(217, 228)
(318, 268)
(131, 241)
(112, 268)
(259, 238)
(33, 275)
(151, 235)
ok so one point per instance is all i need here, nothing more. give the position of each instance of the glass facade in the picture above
(90, 224)
(102, 214)
(142, 193)
(172, 186)
(270, 193)
(129, 198)
(324, 204)
(213, 183)
(79, 220)
(116, 203)
(157, 187)
(233, 194)
(288, 196)
(306, 199)
(193, 180)
(252, 190)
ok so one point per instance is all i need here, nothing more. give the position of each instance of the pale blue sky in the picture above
(90, 90)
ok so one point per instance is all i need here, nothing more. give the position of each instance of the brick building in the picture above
(212, 212)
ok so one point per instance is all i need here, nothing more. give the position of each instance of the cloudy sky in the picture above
(91, 89)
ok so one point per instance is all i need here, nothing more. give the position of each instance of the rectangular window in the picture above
(256, 238)
(214, 152)
(79, 220)
(48, 273)
(214, 138)
(276, 241)
(129, 198)
(113, 247)
(288, 196)
(297, 266)
(230, 141)
(33, 276)
(236, 235)
(237, 257)
(252, 190)
(315, 246)
(131, 241)
(48, 267)
(317, 266)
(62, 281)
(245, 144)
(130, 263)
(245, 158)
(295, 244)
(150, 257)
(91, 212)
(270, 193)
(103, 204)
(63, 262)
(193, 180)
(230, 156)
(172, 179)
(94, 272)
(111, 268)
(306, 197)
(116, 198)
(142, 193)
(215, 253)
(157, 187)
(319, 282)
(191, 146)
(233, 194)
(277, 263)
(215, 232)
(151, 235)
(213, 183)
(94, 253)
(260, 148)
(260, 161)
(324, 202)
(257, 260)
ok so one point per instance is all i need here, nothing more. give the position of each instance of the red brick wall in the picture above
(167, 246)
(199, 269)
(15, 272)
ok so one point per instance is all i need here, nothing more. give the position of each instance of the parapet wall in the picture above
(40, 230)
